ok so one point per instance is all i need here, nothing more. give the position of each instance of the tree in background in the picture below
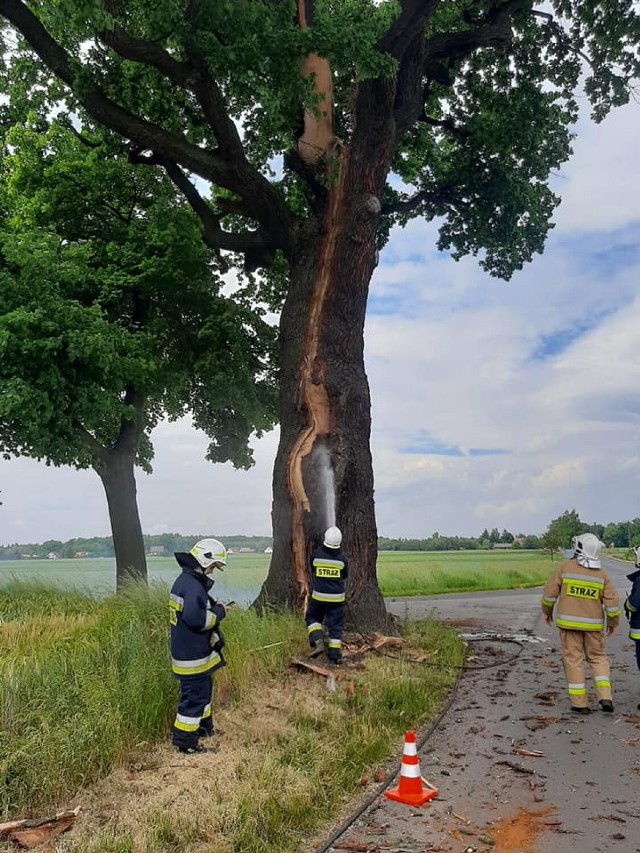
(111, 317)
(377, 111)
(562, 530)
(622, 534)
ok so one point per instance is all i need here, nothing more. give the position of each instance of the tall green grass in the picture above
(92, 689)
(75, 702)
(418, 573)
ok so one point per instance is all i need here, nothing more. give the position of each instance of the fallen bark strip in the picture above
(324, 671)
(33, 833)
(517, 767)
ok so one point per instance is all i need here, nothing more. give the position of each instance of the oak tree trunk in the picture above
(324, 391)
(118, 478)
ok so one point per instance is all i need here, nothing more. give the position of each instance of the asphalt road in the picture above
(580, 794)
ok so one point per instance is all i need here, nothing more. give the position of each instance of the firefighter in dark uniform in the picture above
(632, 606)
(196, 642)
(328, 575)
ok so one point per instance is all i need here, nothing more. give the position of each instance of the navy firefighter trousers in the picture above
(314, 617)
(194, 710)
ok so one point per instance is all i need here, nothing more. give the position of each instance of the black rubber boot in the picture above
(606, 705)
(191, 750)
(583, 711)
(206, 728)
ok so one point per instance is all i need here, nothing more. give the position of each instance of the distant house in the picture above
(268, 550)
(502, 546)
(52, 556)
(157, 551)
(80, 555)
(246, 550)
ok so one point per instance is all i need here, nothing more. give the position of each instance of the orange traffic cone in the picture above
(410, 790)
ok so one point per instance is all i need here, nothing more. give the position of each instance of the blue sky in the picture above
(494, 404)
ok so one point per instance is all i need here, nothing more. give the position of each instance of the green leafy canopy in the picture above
(112, 310)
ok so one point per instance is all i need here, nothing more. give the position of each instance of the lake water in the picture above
(240, 581)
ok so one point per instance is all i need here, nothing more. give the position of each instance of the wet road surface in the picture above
(578, 792)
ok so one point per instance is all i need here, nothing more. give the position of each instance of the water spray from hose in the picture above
(327, 484)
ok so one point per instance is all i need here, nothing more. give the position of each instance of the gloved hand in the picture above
(216, 640)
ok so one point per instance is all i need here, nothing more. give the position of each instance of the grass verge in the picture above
(86, 706)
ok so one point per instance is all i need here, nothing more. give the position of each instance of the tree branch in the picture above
(445, 49)
(235, 174)
(257, 247)
(132, 429)
(446, 124)
(99, 452)
(561, 35)
(409, 24)
(409, 102)
(186, 76)
(442, 196)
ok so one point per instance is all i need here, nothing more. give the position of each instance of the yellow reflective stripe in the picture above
(331, 597)
(207, 711)
(174, 606)
(335, 644)
(548, 602)
(634, 634)
(614, 611)
(575, 623)
(602, 682)
(210, 621)
(315, 626)
(195, 667)
(186, 724)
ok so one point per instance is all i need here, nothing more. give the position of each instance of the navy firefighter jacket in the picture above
(194, 617)
(328, 574)
(632, 605)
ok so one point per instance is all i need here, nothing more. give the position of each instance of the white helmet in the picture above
(332, 537)
(210, 552)
(636, 551)
(587, 549)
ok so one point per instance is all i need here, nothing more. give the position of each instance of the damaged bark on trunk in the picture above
(322, 370)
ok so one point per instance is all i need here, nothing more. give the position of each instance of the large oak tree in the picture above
(317, 124)
(112, 316)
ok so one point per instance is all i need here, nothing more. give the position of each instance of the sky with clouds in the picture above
(494, 404)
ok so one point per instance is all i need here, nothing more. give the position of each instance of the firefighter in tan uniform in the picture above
(585, 601)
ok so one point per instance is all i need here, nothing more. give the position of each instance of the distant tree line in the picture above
(102, 546)
(619, 534)
(616, 534)
(436, 542)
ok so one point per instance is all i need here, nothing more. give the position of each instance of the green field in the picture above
(399, 572)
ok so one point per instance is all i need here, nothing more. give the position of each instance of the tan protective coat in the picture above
(584, 600)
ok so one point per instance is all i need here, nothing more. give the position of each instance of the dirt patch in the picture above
(518, 833)
(155, 784)
(159, 782)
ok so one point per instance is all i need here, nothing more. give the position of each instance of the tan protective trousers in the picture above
(576, 646)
